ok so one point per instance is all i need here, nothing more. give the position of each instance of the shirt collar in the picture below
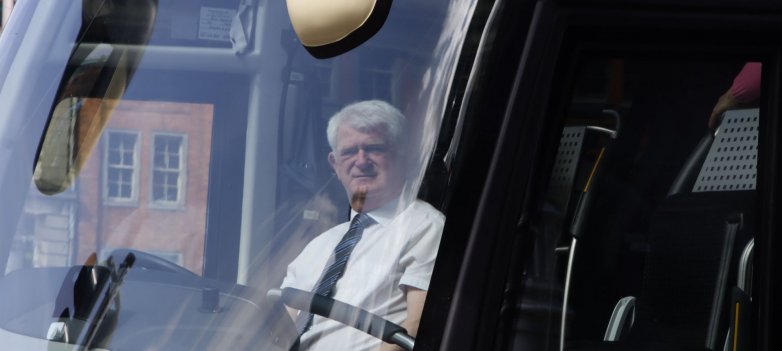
(383, 215)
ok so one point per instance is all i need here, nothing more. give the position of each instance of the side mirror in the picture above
(111, 42)
(328, 28)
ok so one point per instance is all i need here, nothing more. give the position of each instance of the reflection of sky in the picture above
(28, 88)
(456, 25)
(31, 64)
(436, 82)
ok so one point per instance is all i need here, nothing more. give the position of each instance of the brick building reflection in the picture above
(143, 187)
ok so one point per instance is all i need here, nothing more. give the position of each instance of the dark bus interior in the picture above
(632, 130)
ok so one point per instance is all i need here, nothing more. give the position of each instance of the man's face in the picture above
(368, 167)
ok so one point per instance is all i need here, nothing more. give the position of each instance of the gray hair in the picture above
(369, 116)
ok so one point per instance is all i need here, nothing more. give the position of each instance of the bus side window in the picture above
(648, 222)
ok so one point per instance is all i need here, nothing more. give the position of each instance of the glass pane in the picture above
(113, 189)
(114, 174)
(171, 194)
(126, 176)
(171, 179)
(173, 159)
(127, 156)
(209, 161)
(158, 192)
(114, 156)
(649, 215)
(125, 190)
(160, 160)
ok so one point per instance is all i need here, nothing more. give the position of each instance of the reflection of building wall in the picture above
(47, 224)
(173, 229)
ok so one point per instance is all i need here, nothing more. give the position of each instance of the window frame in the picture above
(181, 201)
(133, 201)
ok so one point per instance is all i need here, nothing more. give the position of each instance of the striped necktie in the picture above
(336, 269)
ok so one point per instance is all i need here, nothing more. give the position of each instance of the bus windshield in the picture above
(165, 164)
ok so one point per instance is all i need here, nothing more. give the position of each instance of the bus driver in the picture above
(382, 259)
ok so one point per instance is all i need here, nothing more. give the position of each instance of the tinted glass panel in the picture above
(646, 230)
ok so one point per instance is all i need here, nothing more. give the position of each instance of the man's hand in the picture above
(725, 102)
(415, 305)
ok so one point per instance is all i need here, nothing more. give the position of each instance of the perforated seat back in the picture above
(731, 163)
(565, 165)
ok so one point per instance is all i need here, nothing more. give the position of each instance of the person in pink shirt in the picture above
(745, 90)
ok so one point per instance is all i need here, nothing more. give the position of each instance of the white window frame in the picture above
(179, 203)
(134, 183)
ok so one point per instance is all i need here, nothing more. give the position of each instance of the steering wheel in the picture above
(149, 261)
(346, 314)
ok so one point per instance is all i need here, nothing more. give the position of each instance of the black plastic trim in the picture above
(372, 25)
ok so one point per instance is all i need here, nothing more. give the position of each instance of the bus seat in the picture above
(697, 237)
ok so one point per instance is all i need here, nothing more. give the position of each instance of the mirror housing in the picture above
(328, 28)
(111, 42)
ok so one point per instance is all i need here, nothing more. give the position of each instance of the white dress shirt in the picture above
(396, 252)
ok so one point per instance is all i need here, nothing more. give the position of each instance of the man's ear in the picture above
(332, 160)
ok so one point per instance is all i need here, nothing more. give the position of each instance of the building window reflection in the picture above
(168, 176)
(121, 167)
